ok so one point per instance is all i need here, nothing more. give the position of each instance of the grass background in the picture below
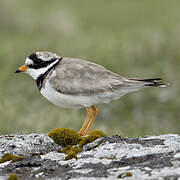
(132, 38)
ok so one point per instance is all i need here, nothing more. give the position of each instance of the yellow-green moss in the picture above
(74, 149)
(67, 148)
(98, 132)
(71, 152)
(65, 136)
(68, 138)
(125, 174)
(9, 157)
(13, 177)
(92, 136)
(71, 155)
(88, 139)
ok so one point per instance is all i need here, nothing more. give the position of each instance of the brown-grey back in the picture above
(79, 77)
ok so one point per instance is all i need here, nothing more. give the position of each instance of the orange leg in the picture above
(92, 120)
(89, 113)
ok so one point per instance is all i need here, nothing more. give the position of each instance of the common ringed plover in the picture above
(76, 83)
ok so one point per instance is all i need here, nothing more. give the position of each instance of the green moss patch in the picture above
(92, 136)
(74, 149)
(13, 177)
(65, 136)
(71, 155)
(71, 152)
(98, 132)
(72, 141)
(9, 157)
(67, 148)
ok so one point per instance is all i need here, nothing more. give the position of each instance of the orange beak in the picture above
(22, 69)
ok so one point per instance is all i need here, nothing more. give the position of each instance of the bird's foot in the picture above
(83, 133)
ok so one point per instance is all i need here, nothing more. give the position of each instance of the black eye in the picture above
(33, 57)
(38, 61)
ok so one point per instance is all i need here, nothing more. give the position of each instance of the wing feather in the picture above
(79, 77)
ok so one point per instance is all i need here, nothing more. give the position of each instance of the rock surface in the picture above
(153, 157)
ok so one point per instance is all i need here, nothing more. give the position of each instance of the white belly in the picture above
(78, 101)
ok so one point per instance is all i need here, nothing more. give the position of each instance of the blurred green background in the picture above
(132, 38)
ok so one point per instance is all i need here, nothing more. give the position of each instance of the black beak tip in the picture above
(17, 71)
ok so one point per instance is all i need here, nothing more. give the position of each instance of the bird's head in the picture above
(38, 63)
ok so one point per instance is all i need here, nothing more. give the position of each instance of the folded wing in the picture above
(79, 77)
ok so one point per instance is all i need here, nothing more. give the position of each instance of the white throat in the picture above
(35, 73)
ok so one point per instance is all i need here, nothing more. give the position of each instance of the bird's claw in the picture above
(83, 133)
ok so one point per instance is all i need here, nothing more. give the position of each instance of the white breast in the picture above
(58, 98)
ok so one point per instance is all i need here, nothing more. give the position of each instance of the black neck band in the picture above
(40, 79)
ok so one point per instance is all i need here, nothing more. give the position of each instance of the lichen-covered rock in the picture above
(26, 144)
(153, 157)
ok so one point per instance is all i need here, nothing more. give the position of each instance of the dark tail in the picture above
(152, 82)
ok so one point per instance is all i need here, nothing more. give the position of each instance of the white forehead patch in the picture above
(28, 61)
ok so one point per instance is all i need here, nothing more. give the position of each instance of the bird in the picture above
(76, 83)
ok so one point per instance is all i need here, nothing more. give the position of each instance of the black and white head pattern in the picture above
(40, 62)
